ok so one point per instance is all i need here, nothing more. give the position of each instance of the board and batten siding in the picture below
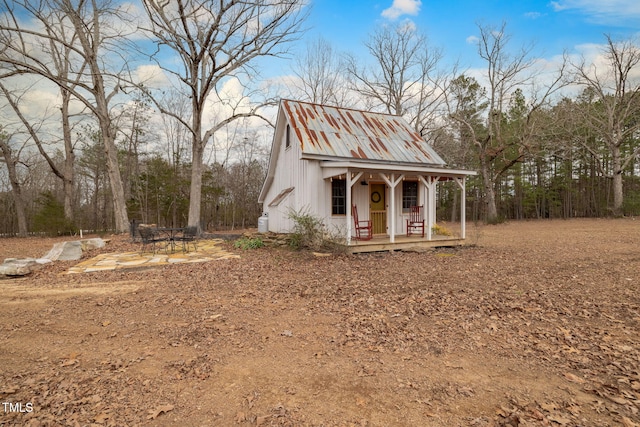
(303, 175)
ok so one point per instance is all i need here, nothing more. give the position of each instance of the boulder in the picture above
(13, 267)
(63, 251)
(69, 251)
(95, 243)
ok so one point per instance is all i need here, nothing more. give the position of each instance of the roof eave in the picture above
(440, 170)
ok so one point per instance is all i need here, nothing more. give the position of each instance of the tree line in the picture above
(158, 113)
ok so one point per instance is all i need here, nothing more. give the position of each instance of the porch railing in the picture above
(379, 222)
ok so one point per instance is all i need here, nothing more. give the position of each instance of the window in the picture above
(338, 197)
(409, 195)
(287, 137)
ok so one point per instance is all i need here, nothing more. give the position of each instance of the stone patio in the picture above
(208, 250)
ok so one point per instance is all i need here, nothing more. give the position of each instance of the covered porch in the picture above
(402, 242)
(384, 194)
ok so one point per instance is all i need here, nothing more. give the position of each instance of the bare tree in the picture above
(611, 107)
(177, 136)
(216, 40)
(320, 76)
(88, 35)
(506, 77)
(66, 172)
(404, 79)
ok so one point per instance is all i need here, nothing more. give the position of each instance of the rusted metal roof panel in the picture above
(345, 133)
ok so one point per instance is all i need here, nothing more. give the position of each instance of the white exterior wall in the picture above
(283, 178)
(303, 175)
(337, 223)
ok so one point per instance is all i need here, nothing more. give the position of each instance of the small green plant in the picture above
(248, 243)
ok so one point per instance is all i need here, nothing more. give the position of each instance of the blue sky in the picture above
(553, 26)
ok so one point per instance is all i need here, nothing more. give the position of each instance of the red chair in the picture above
(415, 221)
(363, 228)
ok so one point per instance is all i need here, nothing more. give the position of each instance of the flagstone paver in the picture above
(208, 250)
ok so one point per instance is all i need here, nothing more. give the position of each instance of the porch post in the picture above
(434, 200)
(463, 208)
(348, 207)
(392, 210)
(392, 182)
(349, 183)
(429, 203)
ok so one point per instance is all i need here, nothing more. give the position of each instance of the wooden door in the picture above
(378, 208)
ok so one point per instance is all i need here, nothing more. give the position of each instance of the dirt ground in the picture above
(532, 324)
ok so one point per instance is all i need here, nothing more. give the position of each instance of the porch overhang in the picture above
(332, 169)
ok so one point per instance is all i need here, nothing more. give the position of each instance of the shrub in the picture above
(50, 217)
(248, 243)
(309, 232)
(441, 230)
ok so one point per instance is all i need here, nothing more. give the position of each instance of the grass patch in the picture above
(248, 243)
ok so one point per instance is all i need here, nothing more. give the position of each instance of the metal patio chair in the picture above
(189, 237)
(150, 237)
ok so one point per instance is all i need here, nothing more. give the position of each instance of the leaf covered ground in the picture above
(532, 324)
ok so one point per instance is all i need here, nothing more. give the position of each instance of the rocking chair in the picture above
(415, 223)
(363, 228)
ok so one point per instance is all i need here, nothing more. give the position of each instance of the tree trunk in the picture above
(618, 195)
(107, 130)
(195, 194)
(454, 206)
(16, 189)
(489, 190)
(68, 180)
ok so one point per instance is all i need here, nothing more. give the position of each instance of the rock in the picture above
(64, 251)
(69, 251)
(13, 267)
(95, 243)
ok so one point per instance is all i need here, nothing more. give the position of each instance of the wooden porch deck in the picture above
(382, 243)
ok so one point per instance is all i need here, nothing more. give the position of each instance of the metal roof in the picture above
(352, 134)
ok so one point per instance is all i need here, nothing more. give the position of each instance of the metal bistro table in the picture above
(171, 233)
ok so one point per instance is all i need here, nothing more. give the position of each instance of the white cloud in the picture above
(408, 25)
(402, 7)
(612, 12)
(532, 15)
(152, 76)
(472, 40)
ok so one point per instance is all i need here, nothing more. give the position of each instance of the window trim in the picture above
(335, 208)
(410, 197)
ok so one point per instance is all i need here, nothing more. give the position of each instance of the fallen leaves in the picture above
(562, 321)
(156, 412)
(573, 378)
